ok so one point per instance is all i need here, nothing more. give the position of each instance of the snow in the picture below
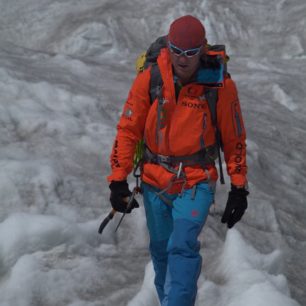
(281, 96)
(65, 71)
(258, 281)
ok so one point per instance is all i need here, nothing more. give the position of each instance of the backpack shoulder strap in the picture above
(211, 95)
(156, 82)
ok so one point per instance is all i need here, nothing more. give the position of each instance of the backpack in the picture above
(211, 75)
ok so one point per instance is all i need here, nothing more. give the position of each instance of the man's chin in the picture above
(183, 74)
(182, 69)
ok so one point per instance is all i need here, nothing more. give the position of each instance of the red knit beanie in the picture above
(187, 32)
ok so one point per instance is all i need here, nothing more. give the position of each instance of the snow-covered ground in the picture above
(65, 70)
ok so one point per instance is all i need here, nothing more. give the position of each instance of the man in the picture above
(177, 185)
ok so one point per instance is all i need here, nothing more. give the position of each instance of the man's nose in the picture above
(182, 59)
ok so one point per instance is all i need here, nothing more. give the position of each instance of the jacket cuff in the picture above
(117, 175)
(239, 180)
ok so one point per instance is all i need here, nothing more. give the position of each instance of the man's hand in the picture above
(236, 205)
(119, 196)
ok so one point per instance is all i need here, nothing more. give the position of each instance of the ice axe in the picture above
(110, 216)
(106, 220)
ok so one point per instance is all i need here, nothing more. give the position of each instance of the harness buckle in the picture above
(163, 159)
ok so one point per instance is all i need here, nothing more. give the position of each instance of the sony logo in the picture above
(193, 105)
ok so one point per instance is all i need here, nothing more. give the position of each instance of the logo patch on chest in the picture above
(193, 104)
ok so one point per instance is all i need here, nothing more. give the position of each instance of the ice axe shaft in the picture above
(128, 206)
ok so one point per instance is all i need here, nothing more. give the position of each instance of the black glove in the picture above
(236, 205)
(119, 191)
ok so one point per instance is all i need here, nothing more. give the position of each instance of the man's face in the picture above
(185, 66)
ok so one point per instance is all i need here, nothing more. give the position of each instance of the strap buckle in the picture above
(163, 159)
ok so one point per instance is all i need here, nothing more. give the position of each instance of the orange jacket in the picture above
(186, 126)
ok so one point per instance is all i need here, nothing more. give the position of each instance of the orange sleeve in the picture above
(130, 128)
(230, 123)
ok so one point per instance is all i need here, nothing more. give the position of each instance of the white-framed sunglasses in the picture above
(188, 53)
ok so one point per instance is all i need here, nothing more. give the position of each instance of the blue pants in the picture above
(174, 244)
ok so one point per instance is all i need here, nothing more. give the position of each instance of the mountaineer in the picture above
(184, 107)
